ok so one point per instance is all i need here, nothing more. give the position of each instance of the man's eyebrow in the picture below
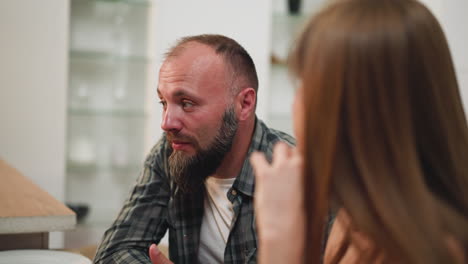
(181, 93)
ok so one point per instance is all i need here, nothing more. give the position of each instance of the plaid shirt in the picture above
(153, 208)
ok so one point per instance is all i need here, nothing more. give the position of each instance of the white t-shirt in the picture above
(217, 219)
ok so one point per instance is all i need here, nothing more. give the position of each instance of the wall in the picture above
(33, 81)
(453, 18)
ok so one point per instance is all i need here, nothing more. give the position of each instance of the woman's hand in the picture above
(157, 257)
(279, 205)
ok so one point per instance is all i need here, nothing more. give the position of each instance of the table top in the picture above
(26, 208)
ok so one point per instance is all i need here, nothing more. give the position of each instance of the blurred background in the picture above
(78, 102)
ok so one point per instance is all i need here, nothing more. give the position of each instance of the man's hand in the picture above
(157, 257)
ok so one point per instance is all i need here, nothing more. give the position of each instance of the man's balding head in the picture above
(238, 62)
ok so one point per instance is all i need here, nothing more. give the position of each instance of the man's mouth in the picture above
(180, 145)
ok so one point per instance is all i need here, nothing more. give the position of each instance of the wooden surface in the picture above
(26, 208)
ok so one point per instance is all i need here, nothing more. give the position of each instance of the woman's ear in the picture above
(245, 103)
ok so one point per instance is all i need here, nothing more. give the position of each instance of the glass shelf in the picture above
(128, 2)
(91, 56)
(105, 155)
(292, 21)
(104, 190)
(111, 63)
(110, 113)
(103, 142)
(101, 86)
(116, 27)
(282, 91)
(285, 29)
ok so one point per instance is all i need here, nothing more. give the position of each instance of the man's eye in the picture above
(163, 103)
(187, 104)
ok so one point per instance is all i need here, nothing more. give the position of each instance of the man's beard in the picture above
(190, 172)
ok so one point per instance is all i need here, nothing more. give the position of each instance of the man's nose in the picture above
(171, 121)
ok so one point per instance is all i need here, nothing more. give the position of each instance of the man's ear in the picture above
(245, 103)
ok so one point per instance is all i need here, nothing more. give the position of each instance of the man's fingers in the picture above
(156, 256)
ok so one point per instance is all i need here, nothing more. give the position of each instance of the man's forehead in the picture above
(197, 65)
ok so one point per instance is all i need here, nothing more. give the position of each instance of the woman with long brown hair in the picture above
(382, 140)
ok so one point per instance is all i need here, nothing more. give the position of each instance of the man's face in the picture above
(198, 117)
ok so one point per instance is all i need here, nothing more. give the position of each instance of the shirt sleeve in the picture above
(143, 218)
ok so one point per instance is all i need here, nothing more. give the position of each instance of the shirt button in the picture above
(234, 192)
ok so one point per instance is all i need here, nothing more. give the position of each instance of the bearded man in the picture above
(197, 181)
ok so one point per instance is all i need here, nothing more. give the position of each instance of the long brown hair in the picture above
(385, 135)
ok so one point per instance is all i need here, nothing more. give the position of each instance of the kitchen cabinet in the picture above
(108, 115)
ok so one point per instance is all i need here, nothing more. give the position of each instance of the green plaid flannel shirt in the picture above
(152, 209)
